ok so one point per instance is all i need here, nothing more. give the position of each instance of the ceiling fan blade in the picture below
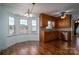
(71, 10)
(59, 13)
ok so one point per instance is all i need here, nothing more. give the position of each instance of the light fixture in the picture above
(63, 15)
(77, 21)
(29, 11)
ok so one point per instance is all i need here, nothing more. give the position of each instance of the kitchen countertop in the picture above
(55, 29)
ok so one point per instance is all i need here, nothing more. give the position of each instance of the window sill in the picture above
(23, 34)
(34, 33)
(18, 34)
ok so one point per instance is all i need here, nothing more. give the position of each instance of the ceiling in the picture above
(48, 8)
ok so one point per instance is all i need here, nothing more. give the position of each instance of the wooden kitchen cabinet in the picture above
(47, 36)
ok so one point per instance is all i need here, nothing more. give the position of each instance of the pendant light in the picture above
(29, 11)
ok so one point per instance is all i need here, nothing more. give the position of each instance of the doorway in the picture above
(76, 35)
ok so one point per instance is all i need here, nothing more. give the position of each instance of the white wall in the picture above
(5, 39)
(2, 41)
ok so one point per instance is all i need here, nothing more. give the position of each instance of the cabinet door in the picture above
(50, 36)
(64, 23)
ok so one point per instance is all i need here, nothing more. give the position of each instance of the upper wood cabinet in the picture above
(64, 23)
(59, 23)
(44, 19)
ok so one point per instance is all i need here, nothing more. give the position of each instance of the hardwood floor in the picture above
(23, 48)
(32, 48)
(58, 47)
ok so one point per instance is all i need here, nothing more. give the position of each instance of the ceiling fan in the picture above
(63, 14)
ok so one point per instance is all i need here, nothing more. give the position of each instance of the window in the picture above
(34, 26)
(23, 26)
(20, 25)
(11, 25)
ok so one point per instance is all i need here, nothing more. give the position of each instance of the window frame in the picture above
(9, 26)
(20, 25)
(32, 26)
(17, 25)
